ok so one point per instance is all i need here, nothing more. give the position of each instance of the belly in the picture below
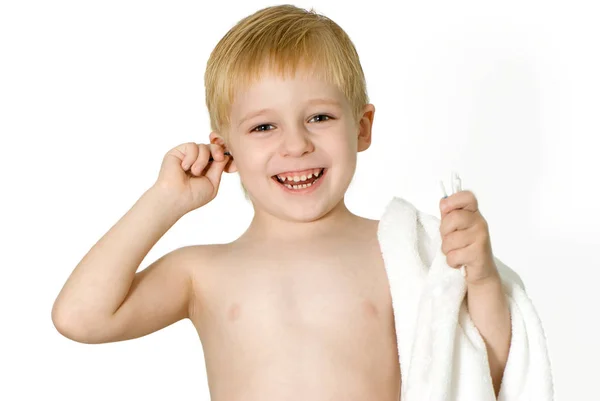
(301, 370)
(297, 340)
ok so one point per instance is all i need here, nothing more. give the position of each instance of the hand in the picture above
(466, 238)
(188, 176)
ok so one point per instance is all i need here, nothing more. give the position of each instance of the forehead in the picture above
(271, 89)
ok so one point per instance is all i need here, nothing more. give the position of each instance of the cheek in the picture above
(341, 138)
(251, 163)
(349, 142)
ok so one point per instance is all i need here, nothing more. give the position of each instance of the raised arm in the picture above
(104, 298)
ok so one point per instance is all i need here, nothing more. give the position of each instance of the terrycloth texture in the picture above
(442, 355)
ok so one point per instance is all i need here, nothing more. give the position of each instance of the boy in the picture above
(299, 306)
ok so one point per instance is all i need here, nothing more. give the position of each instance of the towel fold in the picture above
(441, 353)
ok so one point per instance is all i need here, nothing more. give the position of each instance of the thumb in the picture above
(215, 171)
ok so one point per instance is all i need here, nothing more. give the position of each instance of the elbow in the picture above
(70, 326)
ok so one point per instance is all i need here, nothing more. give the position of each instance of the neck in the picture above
(266, 227)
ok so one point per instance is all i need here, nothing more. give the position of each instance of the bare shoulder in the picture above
(200, 259)
(191, 264)
(368, 227)
(203, 264)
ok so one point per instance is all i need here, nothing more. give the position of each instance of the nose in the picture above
(296, 142)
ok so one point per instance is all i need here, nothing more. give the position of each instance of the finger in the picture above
(217, 152)
(215, 171)
(201, 160)
(224, 153)
(459, 219)
(182, 155)
(189, 153)
(460, 200)
(460, 257)
(457, 240)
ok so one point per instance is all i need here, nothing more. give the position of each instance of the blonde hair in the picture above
(283, 39)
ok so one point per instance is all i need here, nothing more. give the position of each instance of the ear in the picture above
(218, 139)
(365, 125)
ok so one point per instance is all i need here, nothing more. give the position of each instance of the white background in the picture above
(92, 94)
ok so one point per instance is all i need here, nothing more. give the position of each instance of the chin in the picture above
(307, 214)
(304, 212)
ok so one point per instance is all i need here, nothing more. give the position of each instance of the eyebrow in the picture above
(310, 102)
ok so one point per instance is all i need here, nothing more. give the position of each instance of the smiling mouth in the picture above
(299, 182)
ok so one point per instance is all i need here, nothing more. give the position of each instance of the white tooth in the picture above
(303, 178)
(289, 186)
(295, 186)
(296, 178)
(309, 176)
(289, 178)
(308, 185)
(317, 173)
(303, 186)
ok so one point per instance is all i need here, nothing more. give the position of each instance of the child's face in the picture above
(307, 124)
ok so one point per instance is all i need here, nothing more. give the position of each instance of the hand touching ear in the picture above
(188, 177)
(218, 139)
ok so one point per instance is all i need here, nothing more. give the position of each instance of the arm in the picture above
(488, 308)
(466, 241)
(104, 300)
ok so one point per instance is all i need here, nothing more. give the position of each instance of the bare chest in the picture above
(293, 313)
(299, 289)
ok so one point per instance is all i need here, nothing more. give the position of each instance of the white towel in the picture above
(441, 353)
